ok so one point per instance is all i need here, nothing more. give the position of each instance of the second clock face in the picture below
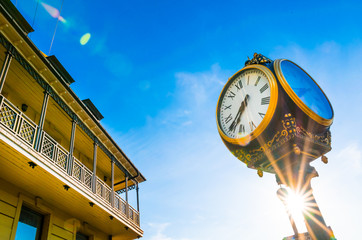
(244, 103)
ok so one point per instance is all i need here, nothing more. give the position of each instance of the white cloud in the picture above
(159, 229)
(352, 157)
(196, 88)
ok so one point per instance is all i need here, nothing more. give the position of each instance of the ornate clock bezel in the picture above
(280, 76)
(270, 111)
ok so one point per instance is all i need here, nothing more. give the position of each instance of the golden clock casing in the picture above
(315, 121)
(256, 137)
(268, 116)
(285, 134)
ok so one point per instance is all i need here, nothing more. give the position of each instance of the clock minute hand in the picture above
(244, 104)
(237, 119)
(241, 109)
(234, 123)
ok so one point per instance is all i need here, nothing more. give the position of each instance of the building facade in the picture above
(61, 173)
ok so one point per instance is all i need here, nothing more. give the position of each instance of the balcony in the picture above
(14, 123)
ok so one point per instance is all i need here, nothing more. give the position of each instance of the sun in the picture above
(296, 203)
(296, 206)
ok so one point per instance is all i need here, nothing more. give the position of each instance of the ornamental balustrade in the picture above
(120, 205)
(12, 118)
(126, 210)
(134, 215)
(103, 190)
(23, 127)
(54, 152)
(82, 174)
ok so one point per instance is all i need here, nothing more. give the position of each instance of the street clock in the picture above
(271, 112)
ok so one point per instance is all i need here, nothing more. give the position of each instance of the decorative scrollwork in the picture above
(242, 155)
(124, 189)
(258, 59)
(289, 123)
(252, 156)
(321, 139)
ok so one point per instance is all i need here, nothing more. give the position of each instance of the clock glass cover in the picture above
(306, 89)
(244, 103)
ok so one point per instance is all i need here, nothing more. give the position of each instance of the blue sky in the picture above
(155, 70)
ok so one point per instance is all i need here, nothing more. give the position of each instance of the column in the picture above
(112, 181)
(71, 147)
(127, 209)
(315, 223)
(282, 194)
(41, 121)
(5, 68)
(94, 185)
(138, 201)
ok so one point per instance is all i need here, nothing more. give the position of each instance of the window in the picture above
(29, 225)
(81, 236)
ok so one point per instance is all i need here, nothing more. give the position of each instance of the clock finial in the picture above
(258, 59)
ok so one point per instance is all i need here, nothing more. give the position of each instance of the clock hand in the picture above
(237, 119)
(241, 110)
(234, 123)
(244, 104)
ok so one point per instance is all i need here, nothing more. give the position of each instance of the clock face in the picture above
(304, 91)
(244, 102)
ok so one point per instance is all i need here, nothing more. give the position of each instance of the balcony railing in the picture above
(54, 152)
(82, 174)
(18, 123)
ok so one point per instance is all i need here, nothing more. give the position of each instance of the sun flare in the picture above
(296, 206)
(296, 203)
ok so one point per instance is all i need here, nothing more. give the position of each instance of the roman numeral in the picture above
(231, 95)
(257, 81)
(228, 119)
(252, 125)
(265, 87)
(239, 85)
(227, 107)
(242, 128)
(248, 79)
(262, 115)
(265, 100)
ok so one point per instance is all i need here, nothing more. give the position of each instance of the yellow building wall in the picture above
(7, 213)
(57, 225)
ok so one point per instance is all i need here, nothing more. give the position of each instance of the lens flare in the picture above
(62, 19)
(296, 206)
(53, 12)
(295, 203)
(85, 39)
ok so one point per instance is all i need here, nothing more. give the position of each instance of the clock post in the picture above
(275, 118)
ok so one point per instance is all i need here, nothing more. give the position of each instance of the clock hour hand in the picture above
(237, 119)
(244, 104)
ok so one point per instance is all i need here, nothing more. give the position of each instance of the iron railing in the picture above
(54, 152)
(120, 205)
(82, 174)
(103, 190)
(125, 209)
(134, 215)
(23, 127)
(12, 118)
